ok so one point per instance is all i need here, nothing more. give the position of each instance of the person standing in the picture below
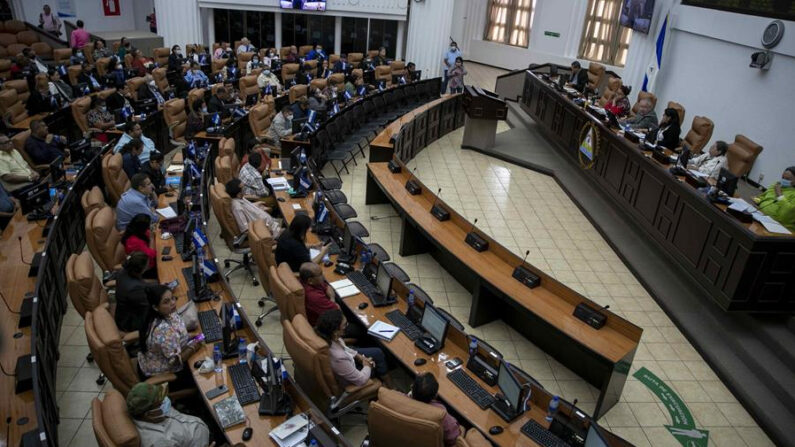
(456, 76)
(79, 36)
(448, 62)
(49, 22)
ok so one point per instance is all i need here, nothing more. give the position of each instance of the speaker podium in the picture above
(483, 110)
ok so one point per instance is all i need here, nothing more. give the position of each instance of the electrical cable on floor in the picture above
(382, 217)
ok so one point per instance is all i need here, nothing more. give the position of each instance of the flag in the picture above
(194, 171)
(347, 95)
(210, 269)
(199, 239)
(62, 70)
(362, 90)
(335, 109)
(191, 149)
(650, 78)
(266, 90)
(216, 119)
(322, 212)
(304, 181)
(402, 80)
(310, 117)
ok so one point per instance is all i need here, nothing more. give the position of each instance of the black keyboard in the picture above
(365, 286)
(410, 329)
(211, 326)
(245, 388)
(471, 388)
(179, 242)
(541, 435)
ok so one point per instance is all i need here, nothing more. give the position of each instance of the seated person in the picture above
(316, 53)
(291, 245)
(195, 122)
(223, 51)
(164, 342)
(350, 84)
(140, 64)
(351, 366)
(131, 303)
(129, 154)
(132, 131)
(98, 116)
(230, 73)
(100, 50)
(425, 389)
(778, 201)
(281, 126)
(77, 57)
(42, 146)
(149, 90)
(619, 103)
(266, 77)
(323, 71)
(342, 65)
(318, 292)
(253, 64)
(60, 88)
(138, 237)
(15, 172)
(245, 211)
(175, 59)
(251, 177)
(245, 46)
(667, 133)
(115, 76)
(195, 77)
(154, 169)
(88, 77)
(317, 100)
(220, 102)
(304, 75)
(711, 162)
(139, 199)
(300, 107)
(645, 119)
(41, 99)
(579, 77)
(410, 70)
(158, 423)
(264, 153)
(292, 55)
(380, 58)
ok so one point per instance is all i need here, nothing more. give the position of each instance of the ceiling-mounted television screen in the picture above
(636, 14)
(777, 9)
(305, 5)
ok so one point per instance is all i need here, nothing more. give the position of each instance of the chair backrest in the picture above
(680, 109)
(91, 199)
(159, 75)
(160, 55)
(288, 72)
(383, 73)
(193, 95)
(217, 65)
(398, 68)
(699, 134)
(311, 65)
(318, 83)
(133, 84)
(473, 438)
(372, 53)
(645, 95)
(11, 107)
(303, 50)
(339, 78)
(27, 37)
(223, 169)
(5, 67)
(80, 107)
(221, 204)
(311, 361)
(85, 289)
(333, 59)
(613, 84)
(102, 66)
(105, 343)
(355, 59)
(21, 86)
(116, 180)
(262, 244)
(42, 49)
(61, 55)
(396, 420)
(175, 117)
(284, 52)
(248, 86)
(113, 426)
(88, 52)
(14, 26)
(741, 155)
(243, 58)
(595, 74)
(18, 141)
(287, 291)
(259, 119)
(73, 71)
(297, 91)
(7, 39)
(103, 239)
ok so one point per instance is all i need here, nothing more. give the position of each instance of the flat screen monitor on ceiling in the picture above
(305, 5)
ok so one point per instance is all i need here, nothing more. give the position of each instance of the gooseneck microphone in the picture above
(476, 241)
(412, 186)
(524, 275)
(437, 210)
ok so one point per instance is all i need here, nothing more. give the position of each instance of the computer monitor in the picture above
(509, 387)
(298, 123)
(595, 437)
(296, 156)
(383, 280)
(416, 75)
(434, 323)
(56, 170)
(80, 150)
(553, 70)
(228, 331)
(347, 243)
(251, 99)
(727, 182)
(33, 196)
(611, 119)
(187, 235)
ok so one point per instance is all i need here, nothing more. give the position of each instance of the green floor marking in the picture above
(684, 427)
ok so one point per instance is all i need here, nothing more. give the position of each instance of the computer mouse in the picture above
(281, 199)
(496, 430)
(165, 235)
(420, 361)
(166, 258)
(363, 305)
(247, 433)
(198, 364)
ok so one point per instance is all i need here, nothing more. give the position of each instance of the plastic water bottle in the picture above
(411, 298)
(242, 350)
(553, 408)
(218, 358)
(473, 346)
(365, 257)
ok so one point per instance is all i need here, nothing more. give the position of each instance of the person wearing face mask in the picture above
(99, 117)
(380, 58)
(317, 100)
(316, 53)
(195, 77)
(77, 57)
(149, 90)
(158, 423)
(778, 201)
(456, 76)
(448, 62)
(267, 78)
(323, 72)
(88, 77)
(270, 57)
(175, 58)
(667, 133)
(58, 87)
(253, 64)
(342, 65)
(100, 50)
(230, 72)
(282, 125)
(115, 75)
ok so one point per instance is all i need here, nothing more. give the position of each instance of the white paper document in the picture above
(341, 284)
(741, 205)
(384, 331)
(292, 432)
(279, 183)
(770, 224)
(167, 212)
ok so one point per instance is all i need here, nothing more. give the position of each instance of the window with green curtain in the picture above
(509, 21)
(604, 40)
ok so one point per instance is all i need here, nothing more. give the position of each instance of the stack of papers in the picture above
(770, 224)
(279, 183)
(175, 168)
(344, 288)
(741, 206)
(384, 331)
(167, 212)
(292, 432)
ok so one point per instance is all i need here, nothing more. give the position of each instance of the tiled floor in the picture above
(523, 210)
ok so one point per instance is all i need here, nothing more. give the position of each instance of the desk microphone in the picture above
(438, 211)
(475, 240)
(525, 275)
(412, 186)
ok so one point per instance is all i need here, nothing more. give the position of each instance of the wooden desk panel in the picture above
(741, 266)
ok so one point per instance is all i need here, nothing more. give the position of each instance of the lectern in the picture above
(483, 109)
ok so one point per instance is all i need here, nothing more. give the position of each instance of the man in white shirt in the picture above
(245, 211)
(161, 425)
(710, 163)
(245, 46)
(282, 125)
(267, 78)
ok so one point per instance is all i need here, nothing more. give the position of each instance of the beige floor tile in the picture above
(708, 414)
(754, 436)
(648, 414)
(75, 405)
(726, 437)
(620, 415)
(660, 437)
(634, 435)
(736, 415)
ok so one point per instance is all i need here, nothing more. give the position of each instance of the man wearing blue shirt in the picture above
(42, 147)
(139, 199)
(448, 62)
(316, 53)
(195, 76)
(132, 130)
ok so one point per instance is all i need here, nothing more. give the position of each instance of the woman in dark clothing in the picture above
(667, 134)
(131, 304)
(291, 246)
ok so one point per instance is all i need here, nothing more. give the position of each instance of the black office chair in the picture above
(378, 252)
(451, 319)
(324, 182)
(357, 229)
(335, 196)
(345, 211)
(396, 272)
(419, 293)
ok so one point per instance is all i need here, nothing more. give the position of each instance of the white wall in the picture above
(381, 9)
(91, 12)
(141, 9)
(430, 25)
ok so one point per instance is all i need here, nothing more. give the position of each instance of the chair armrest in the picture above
(130, 338)
(161, 378)
(239, 239)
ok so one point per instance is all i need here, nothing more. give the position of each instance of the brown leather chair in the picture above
(396, 420)
(312, 367)
(398, 68)
(644, 95)
(339, 78)
(102, 66)
(5, 68)
(27, 37)
(217, 65)
(7, 39)
(259, 120)
(159, 75)
(383, 73)
(288, 72)
(72, 72)
(332, 59)
(699, 134)
(176, 120)
(284, 52)
(160, 56)
(318, 83)
(14, 26)
(303, 50)
(85, 289)
(116, 180)
(263, 246)
(133, 84)
(613, 84)
(372, 53)
(42, 49)
(355, 59)
(223, 169)
(19, 144)
(199, 47)
(128, 59)
(287, 291)
(16, 48)
(311, 66)
(11, 107)
(61, 55)
(596, 72)
(112, 425)
(236, 240)
(242, 60)
(193, 95)
(226, 147)
(680, 109)
(88, 52)
(473, 438)
(103, 239)
(741, 155)
(297, 91)
(248, 86)
(21, 87)
(92, 199)
(80, 107)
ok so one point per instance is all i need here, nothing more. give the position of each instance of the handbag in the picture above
(189, 315)
(175, 224)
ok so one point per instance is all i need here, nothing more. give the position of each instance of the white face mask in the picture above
(204, 109)
(103, 109)
(152, 83)
(79, 54)
(255, 61)
(266, 72)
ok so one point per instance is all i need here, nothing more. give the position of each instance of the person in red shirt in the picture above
(137, 237)
(319, 293)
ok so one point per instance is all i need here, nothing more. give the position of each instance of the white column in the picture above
(430, 24)
(208, 20)
(178, 21)
(337, 34)
(277, 31)
(401, 32)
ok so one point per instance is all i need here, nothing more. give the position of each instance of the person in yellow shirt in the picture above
(778, 201)
(15, 172)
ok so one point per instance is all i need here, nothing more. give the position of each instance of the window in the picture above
(305, 29)
(603, 39)
(321, 30)
(383, 33)
(354, 35)
(232, 25)
(509, 21)
(294, 30)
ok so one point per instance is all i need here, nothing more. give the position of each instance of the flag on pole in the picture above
(656, 61)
